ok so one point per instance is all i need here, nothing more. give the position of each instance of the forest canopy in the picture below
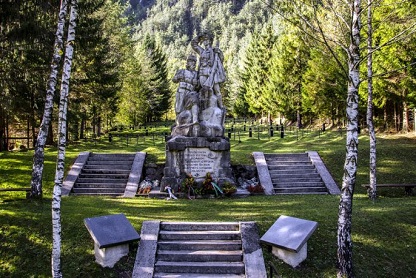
(127, 52)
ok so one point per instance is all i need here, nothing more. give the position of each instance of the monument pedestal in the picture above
(196, 156)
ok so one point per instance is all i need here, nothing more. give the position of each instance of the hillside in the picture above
(175, 22)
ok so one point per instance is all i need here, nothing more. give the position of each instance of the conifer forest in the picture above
(284, 60)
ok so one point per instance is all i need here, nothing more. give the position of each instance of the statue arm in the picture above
(219, 53)
(195, 45)
(178, 76)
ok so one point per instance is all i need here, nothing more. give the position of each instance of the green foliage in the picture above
(102, 48)
(26, 231)
(158, 94)
(324, 87)
(256, 73)
(395, 80)
(26, 46)
(288, 65)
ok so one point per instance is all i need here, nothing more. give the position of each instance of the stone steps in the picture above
(218, 268)
(188, 275)
(294, 174)
(104, 174)
(195, 249)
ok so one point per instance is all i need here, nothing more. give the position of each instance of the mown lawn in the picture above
(384, 232)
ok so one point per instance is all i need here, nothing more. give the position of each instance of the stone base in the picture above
(291, 258)
(196, 156)
(108, 257)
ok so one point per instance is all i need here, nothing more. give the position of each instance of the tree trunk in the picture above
(414, 120)
(344, 252)
(372, 191)
(405, 127)
(39, 155)
(99, 126)
(60, 163)
(3, 144)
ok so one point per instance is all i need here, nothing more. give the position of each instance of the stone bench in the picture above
(288, 237)
(112, 235)
(407, 187)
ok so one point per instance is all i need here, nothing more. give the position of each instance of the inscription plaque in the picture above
(199, 161)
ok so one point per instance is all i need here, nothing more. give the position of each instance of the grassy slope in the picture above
(384, 232)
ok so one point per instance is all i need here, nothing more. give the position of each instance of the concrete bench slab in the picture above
(112, 235)
(288, 237)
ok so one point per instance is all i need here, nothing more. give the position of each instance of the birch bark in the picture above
(60, 163)
(372, 191)
(344, 250)
(39, 155)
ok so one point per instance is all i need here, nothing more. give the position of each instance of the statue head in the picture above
(206, 38)
(191, 62)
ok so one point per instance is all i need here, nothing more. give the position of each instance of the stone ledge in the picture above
(179, 143)
(73, 174)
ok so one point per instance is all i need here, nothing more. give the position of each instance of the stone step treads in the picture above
(200, 245)
(104, 174)
(296, 178)
(108, 162)
(292, 171)
(299, 185)
(198, 249)
(98, 190)
(105, 171)
(196, 275)
(105, 180)
(99, 185)
(288, 157)
(199, 226)
(284, 191)
(108, 166)
(218, 268)
(96, 194)
(199, 235)
(294, 174)
(200, 255)
(113, 157)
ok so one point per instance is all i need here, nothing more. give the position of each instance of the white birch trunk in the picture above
(39, 155)
(372, 191)
(344, 252)
(405, 128)
(60, 163)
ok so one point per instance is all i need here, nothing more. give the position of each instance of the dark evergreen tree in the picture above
(256, 73)
(157, 85)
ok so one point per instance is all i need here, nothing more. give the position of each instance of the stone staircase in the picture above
(104, 174)
(294, 174)
(197, 249)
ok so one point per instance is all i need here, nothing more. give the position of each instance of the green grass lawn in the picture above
(384, 232)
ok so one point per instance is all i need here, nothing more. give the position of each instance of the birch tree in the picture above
(372, 192)
(39, 155)
(404, 28)
(312, 18)
(60, 163)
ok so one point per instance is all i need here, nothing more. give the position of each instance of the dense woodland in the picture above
(126, 53)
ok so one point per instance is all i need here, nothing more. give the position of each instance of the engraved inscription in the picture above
(199, 161)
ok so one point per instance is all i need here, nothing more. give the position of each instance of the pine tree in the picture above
(256, 71)
(156, 93)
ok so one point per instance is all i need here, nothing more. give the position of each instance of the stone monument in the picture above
(197, 145)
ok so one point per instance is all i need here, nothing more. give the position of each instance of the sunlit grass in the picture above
(384, 232)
